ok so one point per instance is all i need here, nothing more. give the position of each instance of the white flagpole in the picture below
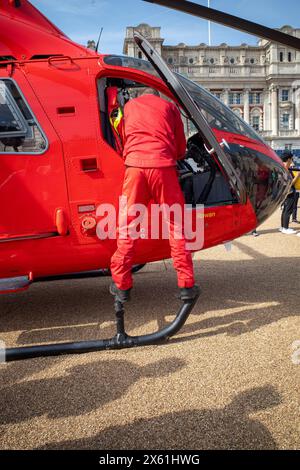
(209, 27)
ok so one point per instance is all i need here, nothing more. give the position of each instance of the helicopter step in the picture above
(14, 284)
(120, 341)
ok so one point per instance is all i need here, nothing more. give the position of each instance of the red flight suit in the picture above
(154, 140)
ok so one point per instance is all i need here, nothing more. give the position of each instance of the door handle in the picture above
(88, 164)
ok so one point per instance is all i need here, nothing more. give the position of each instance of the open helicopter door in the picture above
(214, 148)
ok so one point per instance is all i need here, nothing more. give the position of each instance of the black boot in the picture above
(189, 293)
(120, 294)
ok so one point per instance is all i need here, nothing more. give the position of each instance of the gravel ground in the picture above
(227, 381)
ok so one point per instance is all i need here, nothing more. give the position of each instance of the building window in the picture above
(290, 57)
(170, 60)
(235, 98)
(19, 130)
(217, 94)
(255, 122)
(238, 111)
(256, 119)
(288, 147)
(232, 60)
(140, 55)
(284, 95)
(252, 61)
(191, 60)
(212, 60)
(281, 56)
(285, 121)
(255, 98)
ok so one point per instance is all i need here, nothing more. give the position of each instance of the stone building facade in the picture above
(260, 83)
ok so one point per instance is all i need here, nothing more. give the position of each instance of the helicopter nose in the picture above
(266, 180)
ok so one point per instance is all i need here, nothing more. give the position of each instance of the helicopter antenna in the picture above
(99, 39)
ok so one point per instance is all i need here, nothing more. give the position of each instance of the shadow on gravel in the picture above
(80, 390)
(230, 427)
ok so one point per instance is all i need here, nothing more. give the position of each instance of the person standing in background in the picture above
(288, 205)
(297, 194)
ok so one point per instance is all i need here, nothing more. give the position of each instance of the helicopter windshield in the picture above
(217, 115)
(215, 112)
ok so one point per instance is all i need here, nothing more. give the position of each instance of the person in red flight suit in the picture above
(154, 141)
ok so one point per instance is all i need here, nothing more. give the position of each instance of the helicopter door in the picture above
(32, 180)
(194, 113)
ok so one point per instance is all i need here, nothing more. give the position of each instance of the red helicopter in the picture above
(60, 158)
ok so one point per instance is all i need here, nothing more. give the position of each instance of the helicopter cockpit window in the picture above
(131, 63)
(19, 131)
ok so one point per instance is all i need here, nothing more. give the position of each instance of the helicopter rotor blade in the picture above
(231, 21)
